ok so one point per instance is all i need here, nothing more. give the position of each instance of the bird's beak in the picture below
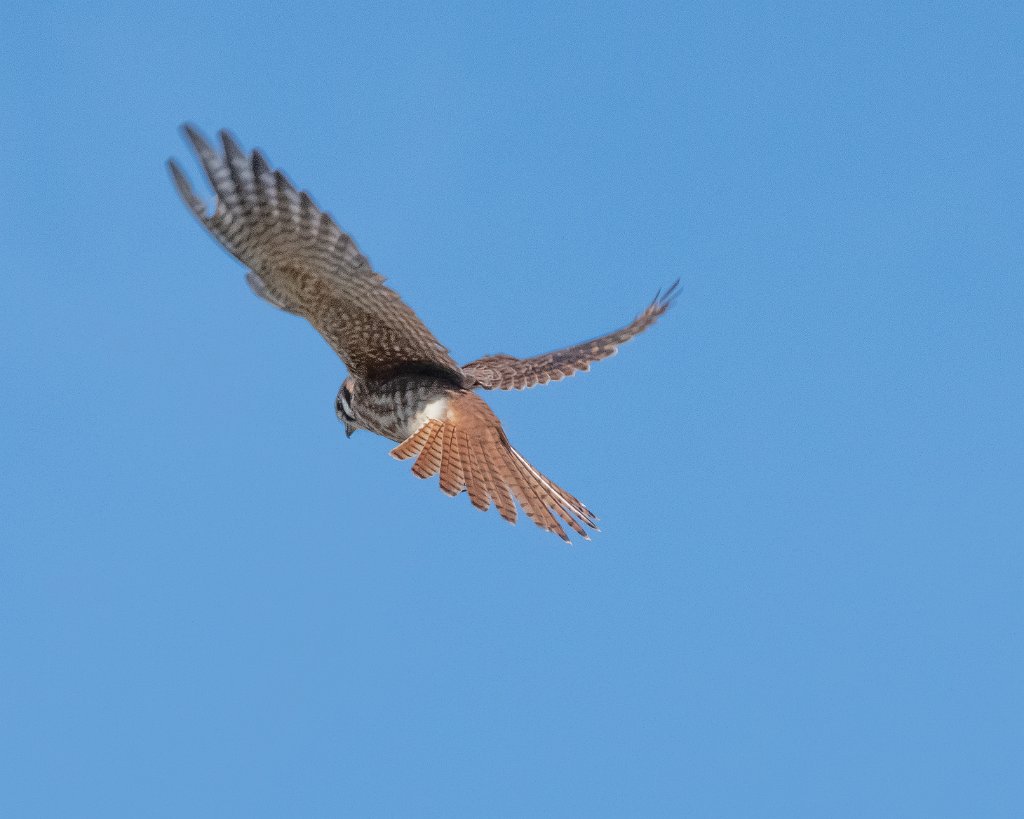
(349, 429)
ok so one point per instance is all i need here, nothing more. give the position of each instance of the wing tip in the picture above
(260, 163)
(232, 148)
(663, 299)
(178, 175)
(184, 188)
(196, 139)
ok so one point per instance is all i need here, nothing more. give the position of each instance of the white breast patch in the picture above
(436, 410)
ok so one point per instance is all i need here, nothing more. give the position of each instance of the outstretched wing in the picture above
(506, 372)
(302, 262)
(470, 450)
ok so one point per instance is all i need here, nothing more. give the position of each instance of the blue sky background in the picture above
(806, 600)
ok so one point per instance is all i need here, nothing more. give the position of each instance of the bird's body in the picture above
(397, 406)
(403, 383)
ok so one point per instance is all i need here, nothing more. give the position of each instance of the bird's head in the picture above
(343, 406)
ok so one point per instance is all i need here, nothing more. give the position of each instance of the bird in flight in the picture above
(402, 384)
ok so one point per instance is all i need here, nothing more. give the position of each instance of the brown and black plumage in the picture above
(403, 383)
(506, 372)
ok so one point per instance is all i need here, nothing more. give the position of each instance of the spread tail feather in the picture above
(470, 451)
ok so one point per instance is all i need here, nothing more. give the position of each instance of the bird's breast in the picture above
(399, 407)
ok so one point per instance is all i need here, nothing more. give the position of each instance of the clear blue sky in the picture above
(806, 600)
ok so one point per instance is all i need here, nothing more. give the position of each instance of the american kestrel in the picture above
(403, 384)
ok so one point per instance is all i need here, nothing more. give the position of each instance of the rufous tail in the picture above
(471, 452)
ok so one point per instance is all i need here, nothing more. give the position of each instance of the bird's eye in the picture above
(345, 401)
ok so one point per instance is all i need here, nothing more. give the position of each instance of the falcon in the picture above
(402, 382)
